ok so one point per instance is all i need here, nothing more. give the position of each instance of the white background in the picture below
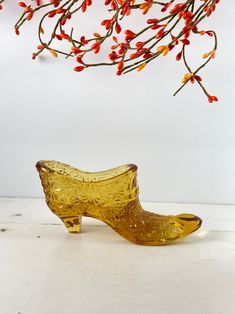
(184, 146)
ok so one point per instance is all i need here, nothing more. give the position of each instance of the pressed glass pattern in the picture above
(112, 197)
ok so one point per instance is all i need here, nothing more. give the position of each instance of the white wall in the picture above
(184, 146)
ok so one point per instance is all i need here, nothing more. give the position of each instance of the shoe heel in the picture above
(73, 224)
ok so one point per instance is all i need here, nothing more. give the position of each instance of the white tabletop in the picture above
(45, 270)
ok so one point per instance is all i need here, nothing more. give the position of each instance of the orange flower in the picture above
(163, 49)
(53, 53)
(211, 54)
(141, 67)
(187, 77)
(144, 7)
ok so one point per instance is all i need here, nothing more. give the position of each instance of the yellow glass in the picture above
(112, 197)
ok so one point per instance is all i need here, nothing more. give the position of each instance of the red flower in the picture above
(79, 68)
(212, 98)
(129, 35)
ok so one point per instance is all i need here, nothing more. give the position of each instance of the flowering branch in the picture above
(168, 30)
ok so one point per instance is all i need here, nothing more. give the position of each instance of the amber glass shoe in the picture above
(112, 197)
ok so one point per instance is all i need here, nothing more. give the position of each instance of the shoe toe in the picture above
(189, 222)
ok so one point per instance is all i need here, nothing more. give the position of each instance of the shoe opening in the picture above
(81, 175)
